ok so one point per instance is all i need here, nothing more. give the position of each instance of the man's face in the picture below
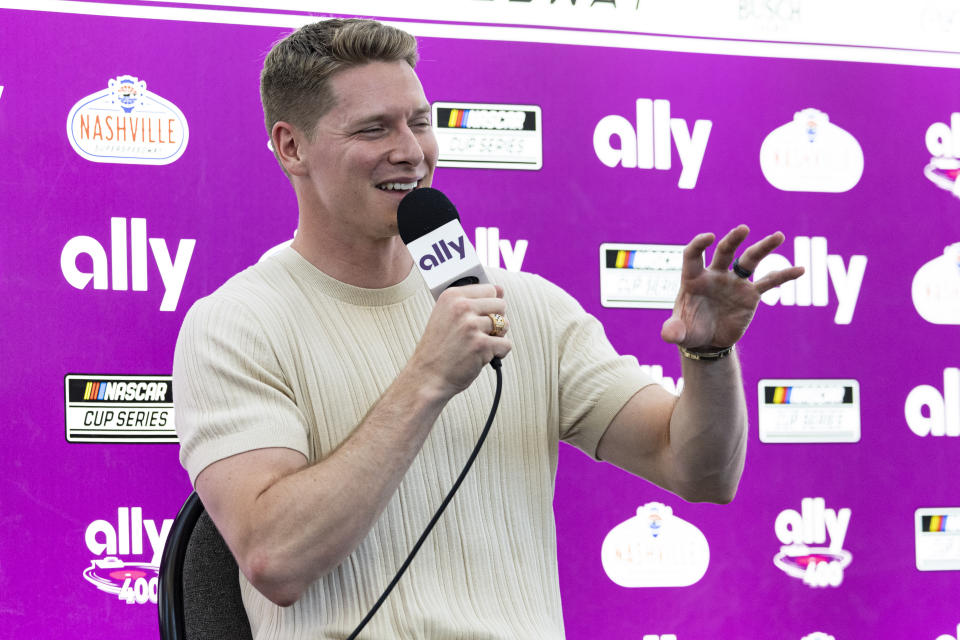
(371, 149)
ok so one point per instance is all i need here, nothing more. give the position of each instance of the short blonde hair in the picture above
(295, 81)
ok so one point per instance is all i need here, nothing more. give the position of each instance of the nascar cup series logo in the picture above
(936, 538)
(655, 549)
(119, 409)
(127, 124)
(644, 276)
(943, 143)
(816, 565)
(488, 136)
(123, 567)
(809, 410)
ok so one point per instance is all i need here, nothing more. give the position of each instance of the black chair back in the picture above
(199, 587)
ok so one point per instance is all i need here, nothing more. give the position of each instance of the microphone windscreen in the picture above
(423, 210)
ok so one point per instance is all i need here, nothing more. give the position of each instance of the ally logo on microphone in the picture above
(444, 256)
(441, 253)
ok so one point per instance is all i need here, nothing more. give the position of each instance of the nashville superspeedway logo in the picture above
(127, 124)
(119, 409)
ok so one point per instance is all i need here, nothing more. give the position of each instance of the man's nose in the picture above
(406, 148)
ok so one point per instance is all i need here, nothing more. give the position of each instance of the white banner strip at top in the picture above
(919, 32)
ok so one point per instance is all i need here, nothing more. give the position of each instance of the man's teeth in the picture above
(397, 186)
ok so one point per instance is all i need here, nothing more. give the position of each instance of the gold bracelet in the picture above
(718, 354)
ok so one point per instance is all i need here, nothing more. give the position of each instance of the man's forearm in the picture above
(708, 430)
(695, 445)
(305, 522)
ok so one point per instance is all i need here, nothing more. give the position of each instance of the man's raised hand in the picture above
(714, 306)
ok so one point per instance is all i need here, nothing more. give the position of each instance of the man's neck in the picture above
(361, 262)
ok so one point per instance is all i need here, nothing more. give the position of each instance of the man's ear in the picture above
(286, 140)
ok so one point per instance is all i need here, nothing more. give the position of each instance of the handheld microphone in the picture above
(430, 227)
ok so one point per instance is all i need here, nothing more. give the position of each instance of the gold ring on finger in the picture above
(499, 325)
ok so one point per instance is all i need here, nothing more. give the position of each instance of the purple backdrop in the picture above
(226, 193)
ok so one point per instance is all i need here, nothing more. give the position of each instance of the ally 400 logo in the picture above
(805, 553)
(125, 567)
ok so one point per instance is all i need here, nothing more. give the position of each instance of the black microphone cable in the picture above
(495, 363)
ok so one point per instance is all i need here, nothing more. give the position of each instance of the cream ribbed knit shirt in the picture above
(283, 355)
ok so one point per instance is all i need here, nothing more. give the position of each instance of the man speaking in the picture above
(326, 402)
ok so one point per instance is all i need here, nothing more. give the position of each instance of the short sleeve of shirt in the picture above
(595, 382)
(230, 393)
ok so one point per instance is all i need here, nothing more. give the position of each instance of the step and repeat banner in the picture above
(136, 178)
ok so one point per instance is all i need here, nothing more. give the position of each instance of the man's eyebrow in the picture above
(379, 117)
(365, 120)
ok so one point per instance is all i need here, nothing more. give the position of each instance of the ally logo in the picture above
(655, 549)
(931, 413)
(655, 371)
(823, 270)
(173, 269)
(121, 568)
(647, 145)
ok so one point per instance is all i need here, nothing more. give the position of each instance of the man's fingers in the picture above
(478, 299)
(475, 291)
(485, 306)
(693, 255)
(757, 252)
(727, 247)
(501, 347)
(777, 278)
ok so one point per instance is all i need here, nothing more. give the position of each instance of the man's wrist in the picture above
(706, 354)
(424, 385)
